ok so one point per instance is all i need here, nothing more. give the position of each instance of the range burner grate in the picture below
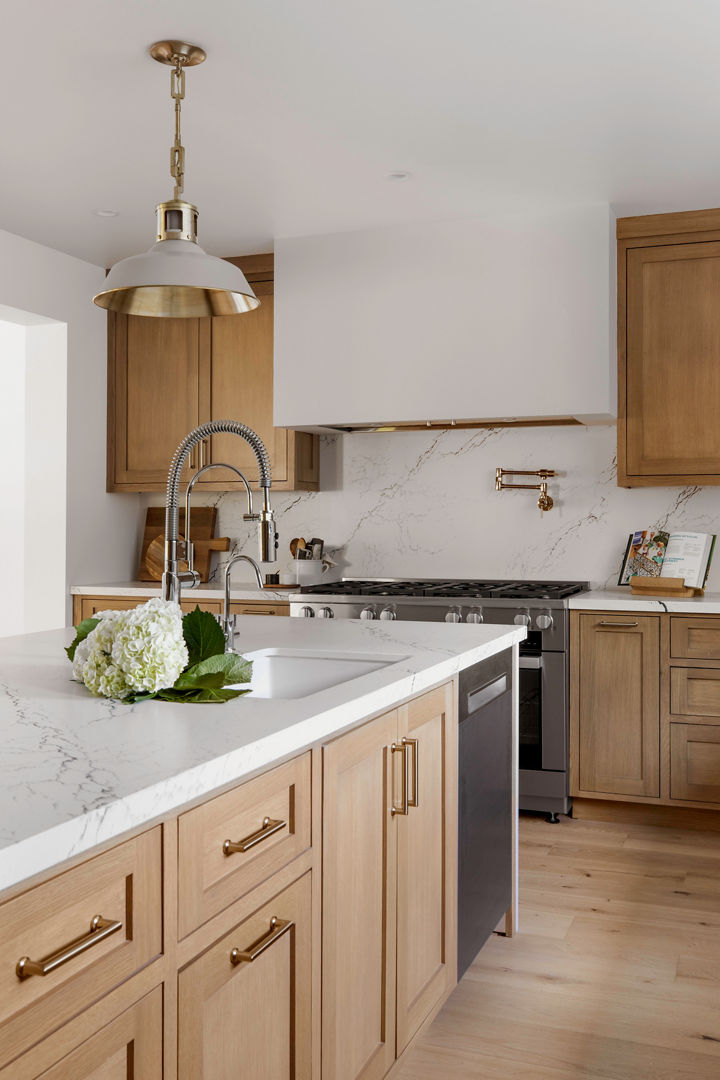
(458, 589)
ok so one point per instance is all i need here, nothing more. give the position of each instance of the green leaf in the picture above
(205, 695)
(203, 636)
(81, 632)
(141, 695)
(215, 672)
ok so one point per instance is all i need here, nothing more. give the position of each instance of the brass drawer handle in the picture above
(278, 927)
(414, 743)
(619, 625)
(401, 748)
(99, 929)
(268, 828)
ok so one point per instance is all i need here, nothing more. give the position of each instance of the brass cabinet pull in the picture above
(619, 625)
(278, 927)
(268, 828)
(414, 743)
(99, 929)
(401, 748)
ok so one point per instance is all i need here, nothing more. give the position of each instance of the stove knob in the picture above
(389, 612)
(325, 613)
(369, 612)
(474, 615)
(544, 621)
(453, 614)
(522, 618)
(307, 612)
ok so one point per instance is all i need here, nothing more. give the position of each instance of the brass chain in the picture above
(177, 150)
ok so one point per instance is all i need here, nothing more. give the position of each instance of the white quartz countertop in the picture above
(622, 599)
(209, 591)
(77, 771)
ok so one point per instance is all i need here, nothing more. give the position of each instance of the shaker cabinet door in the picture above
(427, 861)
(244, 1006)
(617, 673)
(154, 367)
(672, 374)
(359, 902)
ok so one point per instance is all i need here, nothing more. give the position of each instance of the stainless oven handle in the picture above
(477, 699)
(534, 663)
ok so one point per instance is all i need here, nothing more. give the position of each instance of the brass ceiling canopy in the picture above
(176, 278)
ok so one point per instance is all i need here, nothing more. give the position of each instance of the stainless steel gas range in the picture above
(541, 606)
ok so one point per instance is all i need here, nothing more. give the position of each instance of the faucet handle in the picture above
(251, 517)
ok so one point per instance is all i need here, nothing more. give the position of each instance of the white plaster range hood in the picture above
(503, 319)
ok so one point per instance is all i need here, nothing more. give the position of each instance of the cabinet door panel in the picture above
(619, 720)
(154, 391)
(427, 863)
(241, 381)
(128, 1048)
(673, 360)
(695, 762)
(251, 1019)
(359, 898)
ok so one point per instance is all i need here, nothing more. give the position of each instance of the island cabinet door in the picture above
(359, 902)
(616, 672)
(427, 860)
(244, 1006)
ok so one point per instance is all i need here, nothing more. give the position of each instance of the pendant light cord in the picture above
(177, 150)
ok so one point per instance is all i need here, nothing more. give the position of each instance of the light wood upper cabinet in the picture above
(669, 349)
(616, 704)
(166, 376)
(252, 1017)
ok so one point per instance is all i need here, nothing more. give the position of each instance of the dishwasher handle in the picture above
(495, 688)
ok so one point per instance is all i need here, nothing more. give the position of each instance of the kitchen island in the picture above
(201, 832)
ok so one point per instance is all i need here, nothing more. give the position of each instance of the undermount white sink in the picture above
(297, 673)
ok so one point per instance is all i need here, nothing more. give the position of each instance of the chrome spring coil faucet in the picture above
(173, 578)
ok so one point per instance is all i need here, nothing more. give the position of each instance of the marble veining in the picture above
(76, 771)
(423, 504)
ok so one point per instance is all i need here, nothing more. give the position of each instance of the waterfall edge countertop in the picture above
(621, 598)
(77, 771)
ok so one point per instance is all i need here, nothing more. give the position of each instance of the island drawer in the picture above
(694, 637)
(230, 844)
(695, 762)
(73, 938)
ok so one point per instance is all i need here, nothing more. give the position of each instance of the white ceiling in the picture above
(304, 106)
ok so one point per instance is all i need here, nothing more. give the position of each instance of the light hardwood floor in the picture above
(615, 974)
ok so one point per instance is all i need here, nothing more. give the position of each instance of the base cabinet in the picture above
(244, 1006)
(617, 704)
(645, 708)
(389, 883)
(128, 1048)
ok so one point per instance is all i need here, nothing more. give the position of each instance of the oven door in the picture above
(543, 712)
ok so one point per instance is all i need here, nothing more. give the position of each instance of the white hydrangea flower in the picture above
(93, 664)
(148, 646)
(138, 650)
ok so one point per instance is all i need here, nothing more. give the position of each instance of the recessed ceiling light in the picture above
(398, 177)
(106, 213)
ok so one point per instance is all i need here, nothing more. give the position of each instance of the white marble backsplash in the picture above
(424, 504)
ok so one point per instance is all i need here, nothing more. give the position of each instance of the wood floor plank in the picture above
(615, 972)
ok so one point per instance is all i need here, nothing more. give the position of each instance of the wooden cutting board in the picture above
(202, 523)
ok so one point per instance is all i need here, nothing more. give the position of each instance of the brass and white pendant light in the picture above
(176, 278)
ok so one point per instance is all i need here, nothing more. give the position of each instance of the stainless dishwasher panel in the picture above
(485, 802)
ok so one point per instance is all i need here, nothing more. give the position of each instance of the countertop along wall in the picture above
(423, 504)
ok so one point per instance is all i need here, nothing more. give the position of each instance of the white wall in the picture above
(101, 528)
(12, 476)
(504, 316)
